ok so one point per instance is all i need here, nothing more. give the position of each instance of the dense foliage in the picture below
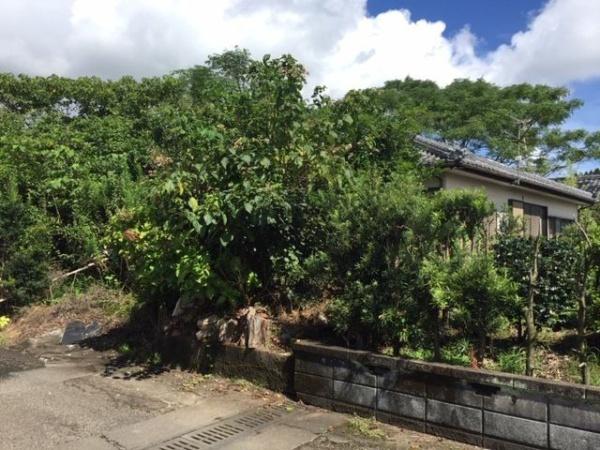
(221, 186)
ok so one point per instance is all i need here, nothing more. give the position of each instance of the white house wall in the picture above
(500, 193)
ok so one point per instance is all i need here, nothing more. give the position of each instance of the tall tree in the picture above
(520, 124)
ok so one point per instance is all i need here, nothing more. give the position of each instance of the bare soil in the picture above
(108, 307)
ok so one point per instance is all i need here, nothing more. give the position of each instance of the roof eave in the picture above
(521, 182)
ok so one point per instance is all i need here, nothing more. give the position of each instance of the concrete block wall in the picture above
(489, 409)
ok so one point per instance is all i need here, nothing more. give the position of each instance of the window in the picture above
(534, 217)
(556, 225)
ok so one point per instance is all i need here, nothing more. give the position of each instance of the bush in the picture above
(557, 284)
(25, 252)
(476, 292)
(368, 232)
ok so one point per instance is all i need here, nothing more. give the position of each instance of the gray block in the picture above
(456, 416)
(354, 394)
(401, 381)
(314, 365)
(519, 404)
(454, 393)
(565, 438)
(401, 404)
(313, 385)
(353, 372)
(516, 429)
(575, 414)
(548, 387)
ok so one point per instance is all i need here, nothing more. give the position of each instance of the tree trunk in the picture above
(582, 325)
(437, 352)
(529, 309)
(481, 347)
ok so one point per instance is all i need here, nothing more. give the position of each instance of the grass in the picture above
(574, 372)
(125, 349)
(195, 381)
(368, 428)
(456, 352)
(511, 361)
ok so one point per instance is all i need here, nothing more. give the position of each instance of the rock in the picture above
(207, 322)
(257, 330)
(249, 327)
(178, 310)
(229, 331)
(77, 331)
(322, 319)
(207, 328)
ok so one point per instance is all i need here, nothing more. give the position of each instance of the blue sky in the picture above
(493, 21)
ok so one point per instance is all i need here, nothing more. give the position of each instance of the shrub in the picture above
(477, 293)
(557, 283)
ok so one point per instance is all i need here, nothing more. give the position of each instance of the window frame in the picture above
(524, 206)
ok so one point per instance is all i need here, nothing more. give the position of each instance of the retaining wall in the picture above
(489, 409)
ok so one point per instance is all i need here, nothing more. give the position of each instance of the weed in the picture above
(194, 382)
(125, 349)
(417, 353)
(244, 385)
(4, 321)
(155, 359)
(512, 360)
(574, 371)
(368, 428)
(457, 353)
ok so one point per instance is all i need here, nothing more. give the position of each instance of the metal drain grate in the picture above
(217, 434)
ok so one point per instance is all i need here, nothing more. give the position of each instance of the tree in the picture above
(518, 124)
(458, 218)
(585, 237)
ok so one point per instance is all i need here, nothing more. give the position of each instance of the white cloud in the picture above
(341, 45)
(561, 45)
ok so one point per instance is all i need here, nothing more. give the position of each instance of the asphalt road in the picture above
(68, 397)
(16, 361)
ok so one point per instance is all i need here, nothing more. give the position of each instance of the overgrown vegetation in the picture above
(221, 186)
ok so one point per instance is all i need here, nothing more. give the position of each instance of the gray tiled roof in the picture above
(590, 183)
(435, 152)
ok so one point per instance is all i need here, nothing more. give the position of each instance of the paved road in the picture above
(75, 399)
(13, 361)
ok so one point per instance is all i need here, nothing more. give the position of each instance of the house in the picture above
(546, 206)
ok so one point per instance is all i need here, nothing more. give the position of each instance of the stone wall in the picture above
(265, 368)
(489, 409)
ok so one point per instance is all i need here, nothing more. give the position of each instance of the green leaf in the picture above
(193, 204)
(248, 207)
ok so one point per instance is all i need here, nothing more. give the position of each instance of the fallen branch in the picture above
(74, 272)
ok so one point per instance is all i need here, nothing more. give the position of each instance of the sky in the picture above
(344, 44)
